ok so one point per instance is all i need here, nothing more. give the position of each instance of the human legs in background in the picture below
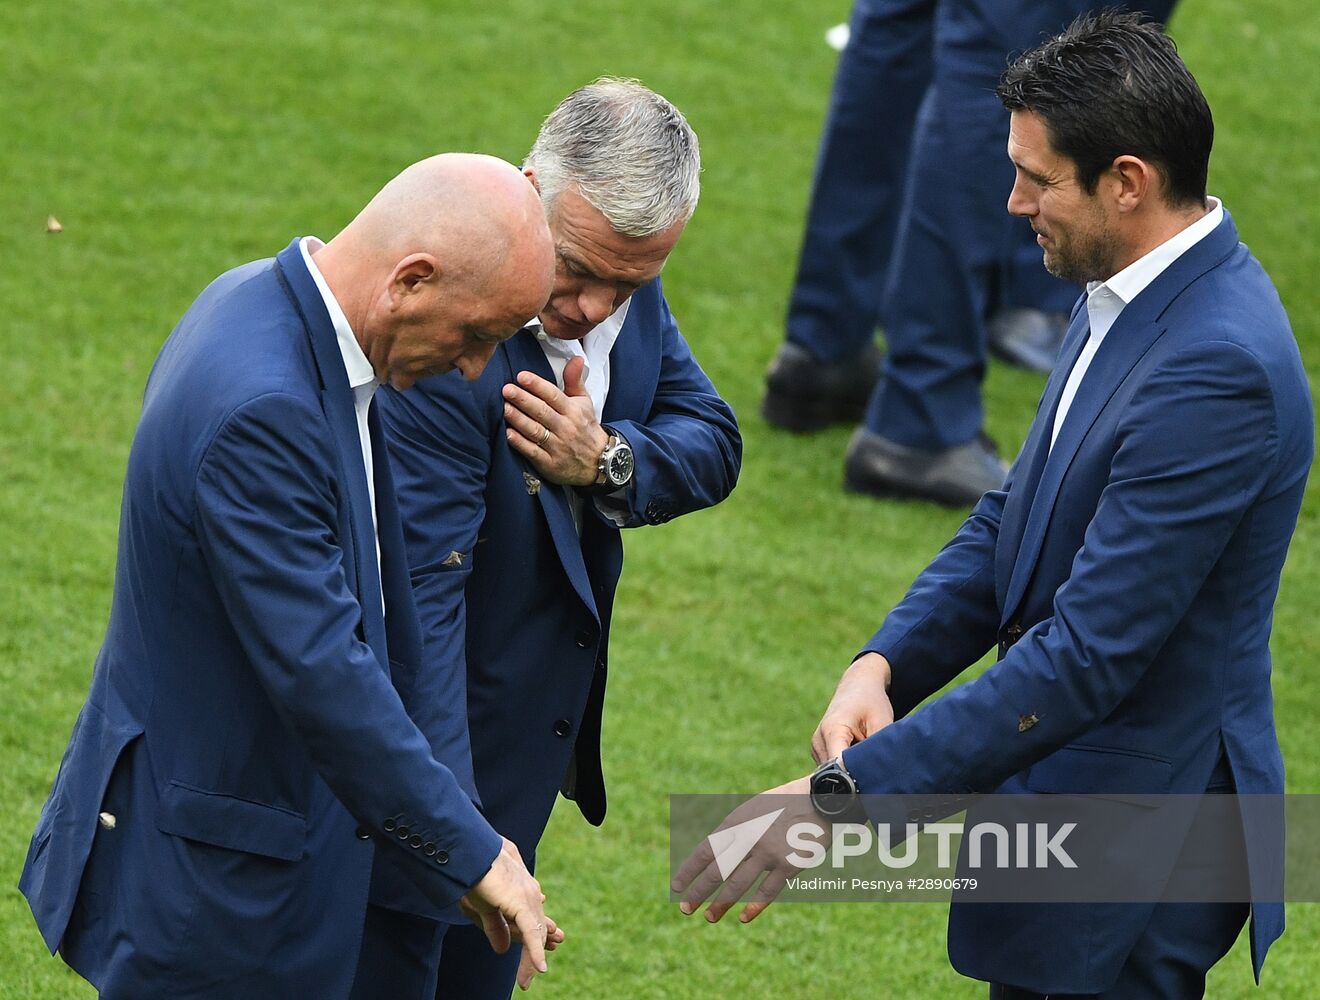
(825, 371)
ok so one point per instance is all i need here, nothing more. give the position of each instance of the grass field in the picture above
(175, 140)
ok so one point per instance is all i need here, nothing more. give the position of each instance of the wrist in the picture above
(614, 465)
(834, 793)
(874, 666)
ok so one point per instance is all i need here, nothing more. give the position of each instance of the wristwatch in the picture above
(834, 793)
(615, 470)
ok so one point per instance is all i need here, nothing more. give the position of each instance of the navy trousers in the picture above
(861, 168)
(406, 957)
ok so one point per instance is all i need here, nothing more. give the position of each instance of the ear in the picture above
(412, 273)
(530, 174)
(1136, 182)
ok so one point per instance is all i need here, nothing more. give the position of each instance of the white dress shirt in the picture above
(1105, 300)
(361, 378)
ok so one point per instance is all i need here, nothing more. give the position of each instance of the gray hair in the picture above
(626, 150)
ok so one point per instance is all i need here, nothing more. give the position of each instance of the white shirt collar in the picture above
(356, 365)
(1130, 282)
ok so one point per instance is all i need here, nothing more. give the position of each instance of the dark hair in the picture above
(1112, 85)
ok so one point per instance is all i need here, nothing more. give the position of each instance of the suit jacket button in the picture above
(442, 857)
(585, 638)
(428, 849)
(389, 825)
(362, 833)
(563, 727)
(402, 832)
(415, 841)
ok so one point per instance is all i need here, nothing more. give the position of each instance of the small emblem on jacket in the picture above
(533, 484)
(1025, 722)
(455, 558)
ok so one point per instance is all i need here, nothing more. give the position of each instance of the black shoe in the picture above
(955, 477)
(803, 394)
(1028, 338)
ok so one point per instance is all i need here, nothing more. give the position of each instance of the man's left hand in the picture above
(556, 431)
(699, 876)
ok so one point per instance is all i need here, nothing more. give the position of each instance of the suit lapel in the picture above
(403, 636)
(1034, 454)
(634, 369)
(1133, 334)
(337, 403)
(525, 354)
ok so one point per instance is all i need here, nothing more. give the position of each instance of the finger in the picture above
(837, 740)
(554, 935)
(695, 863)
(538, 387)
(527, 449)
(700, 889)
(532, 931)
(539, 409)
(496, 929)
(765, 894)
(528, 427)
(739, 881)
(818, 746)
(525, 972)
(575, 383)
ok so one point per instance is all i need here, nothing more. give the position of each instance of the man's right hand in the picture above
(859, 708)
(508, 905)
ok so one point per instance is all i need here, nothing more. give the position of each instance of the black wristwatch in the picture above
(615, 470)
(834, 793)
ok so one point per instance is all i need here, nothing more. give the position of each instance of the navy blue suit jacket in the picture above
(498, 567)
(1128, 577)
(248, 720)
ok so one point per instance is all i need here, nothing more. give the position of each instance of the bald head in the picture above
(468, 210)
(455, 244)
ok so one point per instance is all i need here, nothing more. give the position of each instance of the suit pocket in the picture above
(227, 821)
(1109, 772)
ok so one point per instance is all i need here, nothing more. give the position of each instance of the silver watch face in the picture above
(619, 464)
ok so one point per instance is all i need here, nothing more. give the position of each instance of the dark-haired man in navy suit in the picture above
(514, 489)
(259, 724)
(1127, 571)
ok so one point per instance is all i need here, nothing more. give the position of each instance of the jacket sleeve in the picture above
(440, 456)
(949, 616)
(267, 524)
(687, 451)
(1193, 450)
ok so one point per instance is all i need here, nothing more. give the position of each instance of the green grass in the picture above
(175, 140)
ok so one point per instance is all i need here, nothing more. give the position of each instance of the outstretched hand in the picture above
(700, 876)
